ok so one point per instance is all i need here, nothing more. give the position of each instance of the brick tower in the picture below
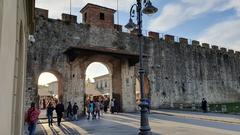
(98, 16)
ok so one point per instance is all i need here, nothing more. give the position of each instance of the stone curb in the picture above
(199, 118)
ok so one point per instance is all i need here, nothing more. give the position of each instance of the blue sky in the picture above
(211, 21)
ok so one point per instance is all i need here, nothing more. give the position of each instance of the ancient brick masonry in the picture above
(176, 73)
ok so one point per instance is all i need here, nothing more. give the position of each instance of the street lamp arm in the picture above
(132, 11)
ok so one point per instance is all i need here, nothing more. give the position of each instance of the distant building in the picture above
(103, 84)
(90, 89)
(50, 90)
(53, 88)
(43, 91)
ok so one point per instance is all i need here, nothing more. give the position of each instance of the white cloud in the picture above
(177, 13)
(232, 4)
(223, 34)
(57, 7)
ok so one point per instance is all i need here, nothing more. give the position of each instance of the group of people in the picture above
(96, 107)
(72, 111)
(46, 100)
(33, 114)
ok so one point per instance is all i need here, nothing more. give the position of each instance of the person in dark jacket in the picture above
(50, 110)
(75, 110)
(59, 111)
(106, 105)
(116, 106)
(204, 105)
(69, 110)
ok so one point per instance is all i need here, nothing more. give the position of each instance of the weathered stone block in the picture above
(230, 51)
(183, 41)
(153, 35)
(69, 18)
(41, 12)
(214, 47)
(118, 27)
(223, 50)
(195, 42)
(169, 38)
(205, 45)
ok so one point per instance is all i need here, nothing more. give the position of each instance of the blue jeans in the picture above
(31, 128)
(50, 119)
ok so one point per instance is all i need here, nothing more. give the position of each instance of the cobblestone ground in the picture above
(162, 123)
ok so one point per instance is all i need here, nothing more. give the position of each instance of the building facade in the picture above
(53, 88)
(16, 23)
(103, 84)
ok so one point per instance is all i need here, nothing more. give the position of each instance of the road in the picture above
(161, 122)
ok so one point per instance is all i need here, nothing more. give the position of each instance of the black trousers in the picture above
(59, 118)
(69, 114)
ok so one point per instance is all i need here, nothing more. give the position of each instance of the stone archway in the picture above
(113, 65)
(147, 87)
(147, 93)
(59, 83)
(123, 79)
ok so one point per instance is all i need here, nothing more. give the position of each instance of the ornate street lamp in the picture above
(148, 9)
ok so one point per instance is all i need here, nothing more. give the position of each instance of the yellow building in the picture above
(16, 24)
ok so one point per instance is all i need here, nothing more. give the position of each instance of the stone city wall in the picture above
(178, 72)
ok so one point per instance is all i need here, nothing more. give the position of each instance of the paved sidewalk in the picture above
(226, 118)
(162, 122)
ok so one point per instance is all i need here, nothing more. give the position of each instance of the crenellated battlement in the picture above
(170, 39)
(180, 40)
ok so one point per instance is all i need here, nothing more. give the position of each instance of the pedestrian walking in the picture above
(204, 105)
(75, 110)
(32, 118)
(116, 106)
(112, 106)
(59, 111)
(44, 104)
(50, 110)
(97, 109)
(106, 105)
(69, 111)
(101, 107)
(149, 104)
(90, 110)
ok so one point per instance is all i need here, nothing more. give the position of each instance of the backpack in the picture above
(91, 107)
(32, 115)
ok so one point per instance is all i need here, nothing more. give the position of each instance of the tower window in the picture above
(101, 16)
(85, 17)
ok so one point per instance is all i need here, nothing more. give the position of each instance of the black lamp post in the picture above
(148, 9)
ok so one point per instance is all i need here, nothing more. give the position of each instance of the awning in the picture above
(93, 92)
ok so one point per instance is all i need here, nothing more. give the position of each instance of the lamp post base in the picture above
(145, 133)
(145, 128)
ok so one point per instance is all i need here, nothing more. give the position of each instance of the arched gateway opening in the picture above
(98, 83)
(107, 86)
(47, 89)
(147, 93)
